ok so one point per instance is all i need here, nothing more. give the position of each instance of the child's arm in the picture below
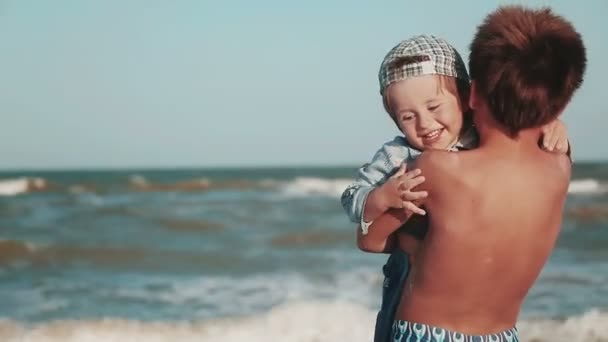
(382, 238)
(386, 242)
(406, 236)
(358, 201)
(394, 193)
(378, 242)
(381, 234)
(555, 138)
(384, 162)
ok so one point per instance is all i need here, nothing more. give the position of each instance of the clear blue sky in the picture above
(114, 83)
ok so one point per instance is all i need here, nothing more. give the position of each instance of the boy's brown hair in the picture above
(526, 64)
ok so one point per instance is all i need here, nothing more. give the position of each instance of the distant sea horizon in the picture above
(213, 167)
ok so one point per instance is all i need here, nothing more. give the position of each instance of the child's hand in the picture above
(395, 193)
(555, 137)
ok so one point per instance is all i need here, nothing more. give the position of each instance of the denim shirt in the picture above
(385, 163)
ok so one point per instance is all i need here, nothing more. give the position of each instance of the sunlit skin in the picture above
(429, 112)
(499, 223)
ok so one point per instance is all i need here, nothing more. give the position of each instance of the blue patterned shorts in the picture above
(404, 331)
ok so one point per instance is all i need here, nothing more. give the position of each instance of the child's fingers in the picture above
(396, 204)
(414, 195)
(413, 208)
(401, 171)
(410, 179)
(548, 135)
(412, 183)
(554, 140)
(562, 145)
(411, 174)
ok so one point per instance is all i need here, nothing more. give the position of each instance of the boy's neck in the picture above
(495, 136)
(499, 140)
(467, 131)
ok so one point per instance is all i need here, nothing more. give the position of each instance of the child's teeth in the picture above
(433, 134)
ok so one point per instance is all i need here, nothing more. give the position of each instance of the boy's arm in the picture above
(356, 198)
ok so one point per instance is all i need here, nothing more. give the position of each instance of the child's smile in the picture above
(429, 114)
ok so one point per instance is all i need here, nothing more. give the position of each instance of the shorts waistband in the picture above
(404, 331)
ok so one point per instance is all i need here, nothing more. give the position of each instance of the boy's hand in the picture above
(396, 192)
(555, 137)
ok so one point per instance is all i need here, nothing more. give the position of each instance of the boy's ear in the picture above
(473, 96)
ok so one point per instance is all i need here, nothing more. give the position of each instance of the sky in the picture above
(127, 84)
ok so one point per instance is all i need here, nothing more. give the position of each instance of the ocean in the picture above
(264, 254)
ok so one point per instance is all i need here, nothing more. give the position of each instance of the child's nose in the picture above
(424, 121)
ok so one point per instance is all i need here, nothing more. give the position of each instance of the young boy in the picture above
(425, 88)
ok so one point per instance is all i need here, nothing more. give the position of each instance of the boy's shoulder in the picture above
(441, 169)
(444, 164)
(435, 160)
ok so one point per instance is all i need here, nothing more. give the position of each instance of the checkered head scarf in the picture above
(421, 55)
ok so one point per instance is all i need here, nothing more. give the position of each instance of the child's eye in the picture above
(433, 108)
(407, 117)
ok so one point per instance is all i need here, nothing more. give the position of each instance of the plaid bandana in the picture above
(443, 60)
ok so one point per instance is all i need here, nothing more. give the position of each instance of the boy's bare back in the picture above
(494, 218)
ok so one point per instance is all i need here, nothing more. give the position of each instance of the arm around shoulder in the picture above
(371, 175)
(380, 238)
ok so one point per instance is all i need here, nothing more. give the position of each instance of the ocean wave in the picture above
(308, 239)
(140, 183)
(587, 186)
(296, 321)
(13, 187)
(296, 187)
(225, 296)
(101, 256)
(592, 212)
(311, 186)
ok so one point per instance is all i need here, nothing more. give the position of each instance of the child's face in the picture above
(427, 113)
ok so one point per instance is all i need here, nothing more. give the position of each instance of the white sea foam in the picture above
(311, 186)
(138, 180)
(227, 296)
(587, 187)
(295, 321)
(13, 187)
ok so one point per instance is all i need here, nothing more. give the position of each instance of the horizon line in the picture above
(209, 167)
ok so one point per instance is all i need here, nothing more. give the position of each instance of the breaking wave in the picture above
(295, 321)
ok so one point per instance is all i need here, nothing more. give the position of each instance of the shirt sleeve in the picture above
(383, 164)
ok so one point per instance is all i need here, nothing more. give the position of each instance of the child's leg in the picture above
(395, 271)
